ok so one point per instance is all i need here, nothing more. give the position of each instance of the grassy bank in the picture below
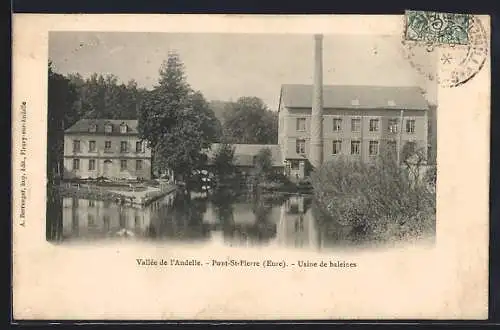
(284, 187)
(281, 183)
(377, 202)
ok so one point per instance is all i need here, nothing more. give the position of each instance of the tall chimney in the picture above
(316, 152)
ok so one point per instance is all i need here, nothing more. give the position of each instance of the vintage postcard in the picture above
(237, 167)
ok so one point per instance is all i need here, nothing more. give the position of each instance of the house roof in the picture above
(244, 153)
(355, 97)
(84, 125)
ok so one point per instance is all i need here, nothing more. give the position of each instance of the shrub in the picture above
(278, 177)
(264, 163)
(304, 183)
(223, 161)
(379, 198)
(270, 185)
(431, 175)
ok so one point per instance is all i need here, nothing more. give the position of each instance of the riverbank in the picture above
(282, 187)
(140, 196)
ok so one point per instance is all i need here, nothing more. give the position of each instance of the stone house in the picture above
(105, 148)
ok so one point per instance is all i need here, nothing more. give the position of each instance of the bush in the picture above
(431, 175)
(264, 163)
(270, 185)
(380, 198)
(278, 178)
(224, 161)
(304, 183)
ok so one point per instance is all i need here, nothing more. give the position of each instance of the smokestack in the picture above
(316, 153)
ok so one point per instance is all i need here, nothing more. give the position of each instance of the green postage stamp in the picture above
(448, 48)
(441, 28)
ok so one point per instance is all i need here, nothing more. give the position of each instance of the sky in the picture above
(227, 66)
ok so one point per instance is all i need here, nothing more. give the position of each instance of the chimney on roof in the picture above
(316, 152)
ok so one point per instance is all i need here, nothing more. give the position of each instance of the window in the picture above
(76, 164)
(107, 146)
(393, 125)
(123, 128)
(301, 124)
(410, 126)
(91, 146)
(91, 219)
(123, 146)
(93, 128)
(355, 147)
(337, 124)
(300, 146)
(374, 125)
(337, 147)
(91, 203)
(138, 146)
(355, 102)
(138, 164)
(76, 146)
(108, 128)
(356, 124)
(392, 147)
(373, 148)
(91, 164)
(123, 165)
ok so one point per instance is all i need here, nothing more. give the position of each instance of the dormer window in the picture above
(355, 102)
(93, 128)
(123, 128)
(108, 128)
(391, 103)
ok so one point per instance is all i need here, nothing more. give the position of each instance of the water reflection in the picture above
(222, 218)
(297, 227)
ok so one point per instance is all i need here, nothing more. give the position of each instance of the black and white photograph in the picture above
(246, 167)
(304, 141)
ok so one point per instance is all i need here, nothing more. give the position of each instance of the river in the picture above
(236, 220)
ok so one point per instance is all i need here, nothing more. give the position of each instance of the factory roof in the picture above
(355, 97)
(244, 153)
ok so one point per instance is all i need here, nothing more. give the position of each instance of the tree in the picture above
(176, 121)
(377, 200)
(431, 175)
(102, 96)
(413, 157)
(264, 163)
(60, 115)
(219, 108)
(158, 113)
(223, 161)
(211, 125)
(248, 120)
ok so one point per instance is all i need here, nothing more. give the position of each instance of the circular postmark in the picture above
(449, 64)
